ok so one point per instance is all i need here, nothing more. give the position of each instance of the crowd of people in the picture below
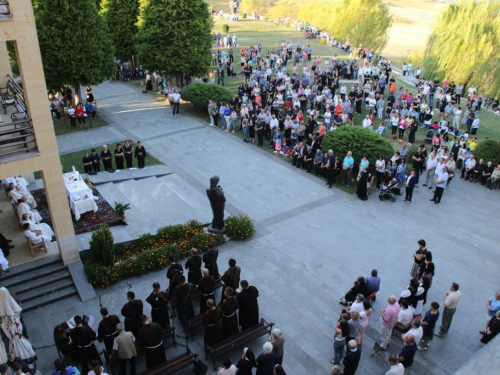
(237, 310)
(123, 158)
(61, 101)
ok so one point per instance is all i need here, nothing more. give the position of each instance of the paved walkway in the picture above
(312, 242)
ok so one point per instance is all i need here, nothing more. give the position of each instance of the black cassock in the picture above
(159, 308)
(213, 333)
(132, 312)
(494, 326)
(249, 307)
(107, 331)
(185, 307)
(206, 286)
(231, 279)
(229, 317)
(151, 337)
(84, 337)
(128, 157)
(174, 272)
(362, 190)
(193, 265)
(210, 259)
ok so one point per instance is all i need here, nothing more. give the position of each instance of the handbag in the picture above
(199, 367)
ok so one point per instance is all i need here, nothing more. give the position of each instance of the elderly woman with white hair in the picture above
(107, 161)
(278, 341)
(265, 361)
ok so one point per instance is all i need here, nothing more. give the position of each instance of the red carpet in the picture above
(87, 223)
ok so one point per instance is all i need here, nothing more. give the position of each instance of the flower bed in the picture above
(150, 253)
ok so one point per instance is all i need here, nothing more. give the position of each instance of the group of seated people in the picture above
(24, 206)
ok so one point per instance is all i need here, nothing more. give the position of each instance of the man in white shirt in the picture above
(274, 123)
(367, 123)
(470, 164)
(441, 180)
(175, 99)
(396, 367)
(438, 170)
(451, 299)
(228, 369)
(35, 238)
(405, 315)
(430, 166)
(416, 330)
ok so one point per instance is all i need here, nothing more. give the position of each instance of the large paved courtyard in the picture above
(312, 242)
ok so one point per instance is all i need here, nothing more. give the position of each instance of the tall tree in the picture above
(175, 37)
(464, 45)
(74, 42)
(122, 17)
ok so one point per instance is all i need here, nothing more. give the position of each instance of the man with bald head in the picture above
(206, 286)
(405, 356)
(388, 320)
(352, 357)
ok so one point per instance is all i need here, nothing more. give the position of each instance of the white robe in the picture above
(24, 208)
(3, 261)
(16, 195)
(44, 228)
(37, 238)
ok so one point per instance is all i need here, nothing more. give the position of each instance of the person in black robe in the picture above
(119, 156)
(183, 293)
(132, 311)
(173, 274)
(87, 163)
(193, 265)
(229, 317)
(106, 158)
(213, 334)
(231, 278)
(362, 191)
(247, 362)
(206, 286)
(210, 259)
(492, 330)
(84, 337)
(107, 329)
(159, 302)
(127, 151)
(62, 341)
(248, 305)
(140, 154)
(96, 161)
(359, 287)
(151, 338)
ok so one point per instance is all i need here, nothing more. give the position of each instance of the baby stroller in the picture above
(429, 135)
(389, 191)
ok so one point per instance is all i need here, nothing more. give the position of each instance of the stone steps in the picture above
(40, 283)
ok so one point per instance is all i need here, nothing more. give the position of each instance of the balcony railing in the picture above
(4, 11)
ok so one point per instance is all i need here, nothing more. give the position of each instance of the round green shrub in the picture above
(411, 151)
(322, 41)
(200, 93)
(360, 141)
(488, 150)
(239, 227)
(225, 28)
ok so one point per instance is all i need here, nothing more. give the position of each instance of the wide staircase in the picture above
(39, 283)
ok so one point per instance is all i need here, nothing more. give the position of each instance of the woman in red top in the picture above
(300, 116)
(80, 114)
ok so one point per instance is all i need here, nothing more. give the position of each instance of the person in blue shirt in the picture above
(347, 168)
(373, 283)
(428, 325)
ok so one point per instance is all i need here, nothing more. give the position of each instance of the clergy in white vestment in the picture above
(42, 227)
(35, 238)
(24, 208)
(4, 263)
(15, 195)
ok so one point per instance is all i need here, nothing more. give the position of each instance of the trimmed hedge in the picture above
(488, 150)
(150, 253)
(200, 93)
(358, 140)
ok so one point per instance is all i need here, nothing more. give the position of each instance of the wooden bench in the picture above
(174, 364)
(194, 323)
(237, 340)
(371, 297)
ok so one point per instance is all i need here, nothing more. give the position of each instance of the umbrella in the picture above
(10, 321)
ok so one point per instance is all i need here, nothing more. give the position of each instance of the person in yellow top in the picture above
(472, 143)
(211, 75)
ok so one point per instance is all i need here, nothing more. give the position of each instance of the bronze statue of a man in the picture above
(217, 202)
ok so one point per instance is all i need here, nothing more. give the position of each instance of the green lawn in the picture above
(64, 126)
(75, 159)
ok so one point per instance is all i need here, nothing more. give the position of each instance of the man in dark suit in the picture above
(410, 185)
(351, 359)
(330, 163)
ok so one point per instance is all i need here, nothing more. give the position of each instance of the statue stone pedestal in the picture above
(215, 230)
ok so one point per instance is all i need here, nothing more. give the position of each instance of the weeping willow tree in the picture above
(365, 22)
(464, 45)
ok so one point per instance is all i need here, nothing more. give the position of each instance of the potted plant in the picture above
(120, 209)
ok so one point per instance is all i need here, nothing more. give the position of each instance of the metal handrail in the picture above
(6, 4)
